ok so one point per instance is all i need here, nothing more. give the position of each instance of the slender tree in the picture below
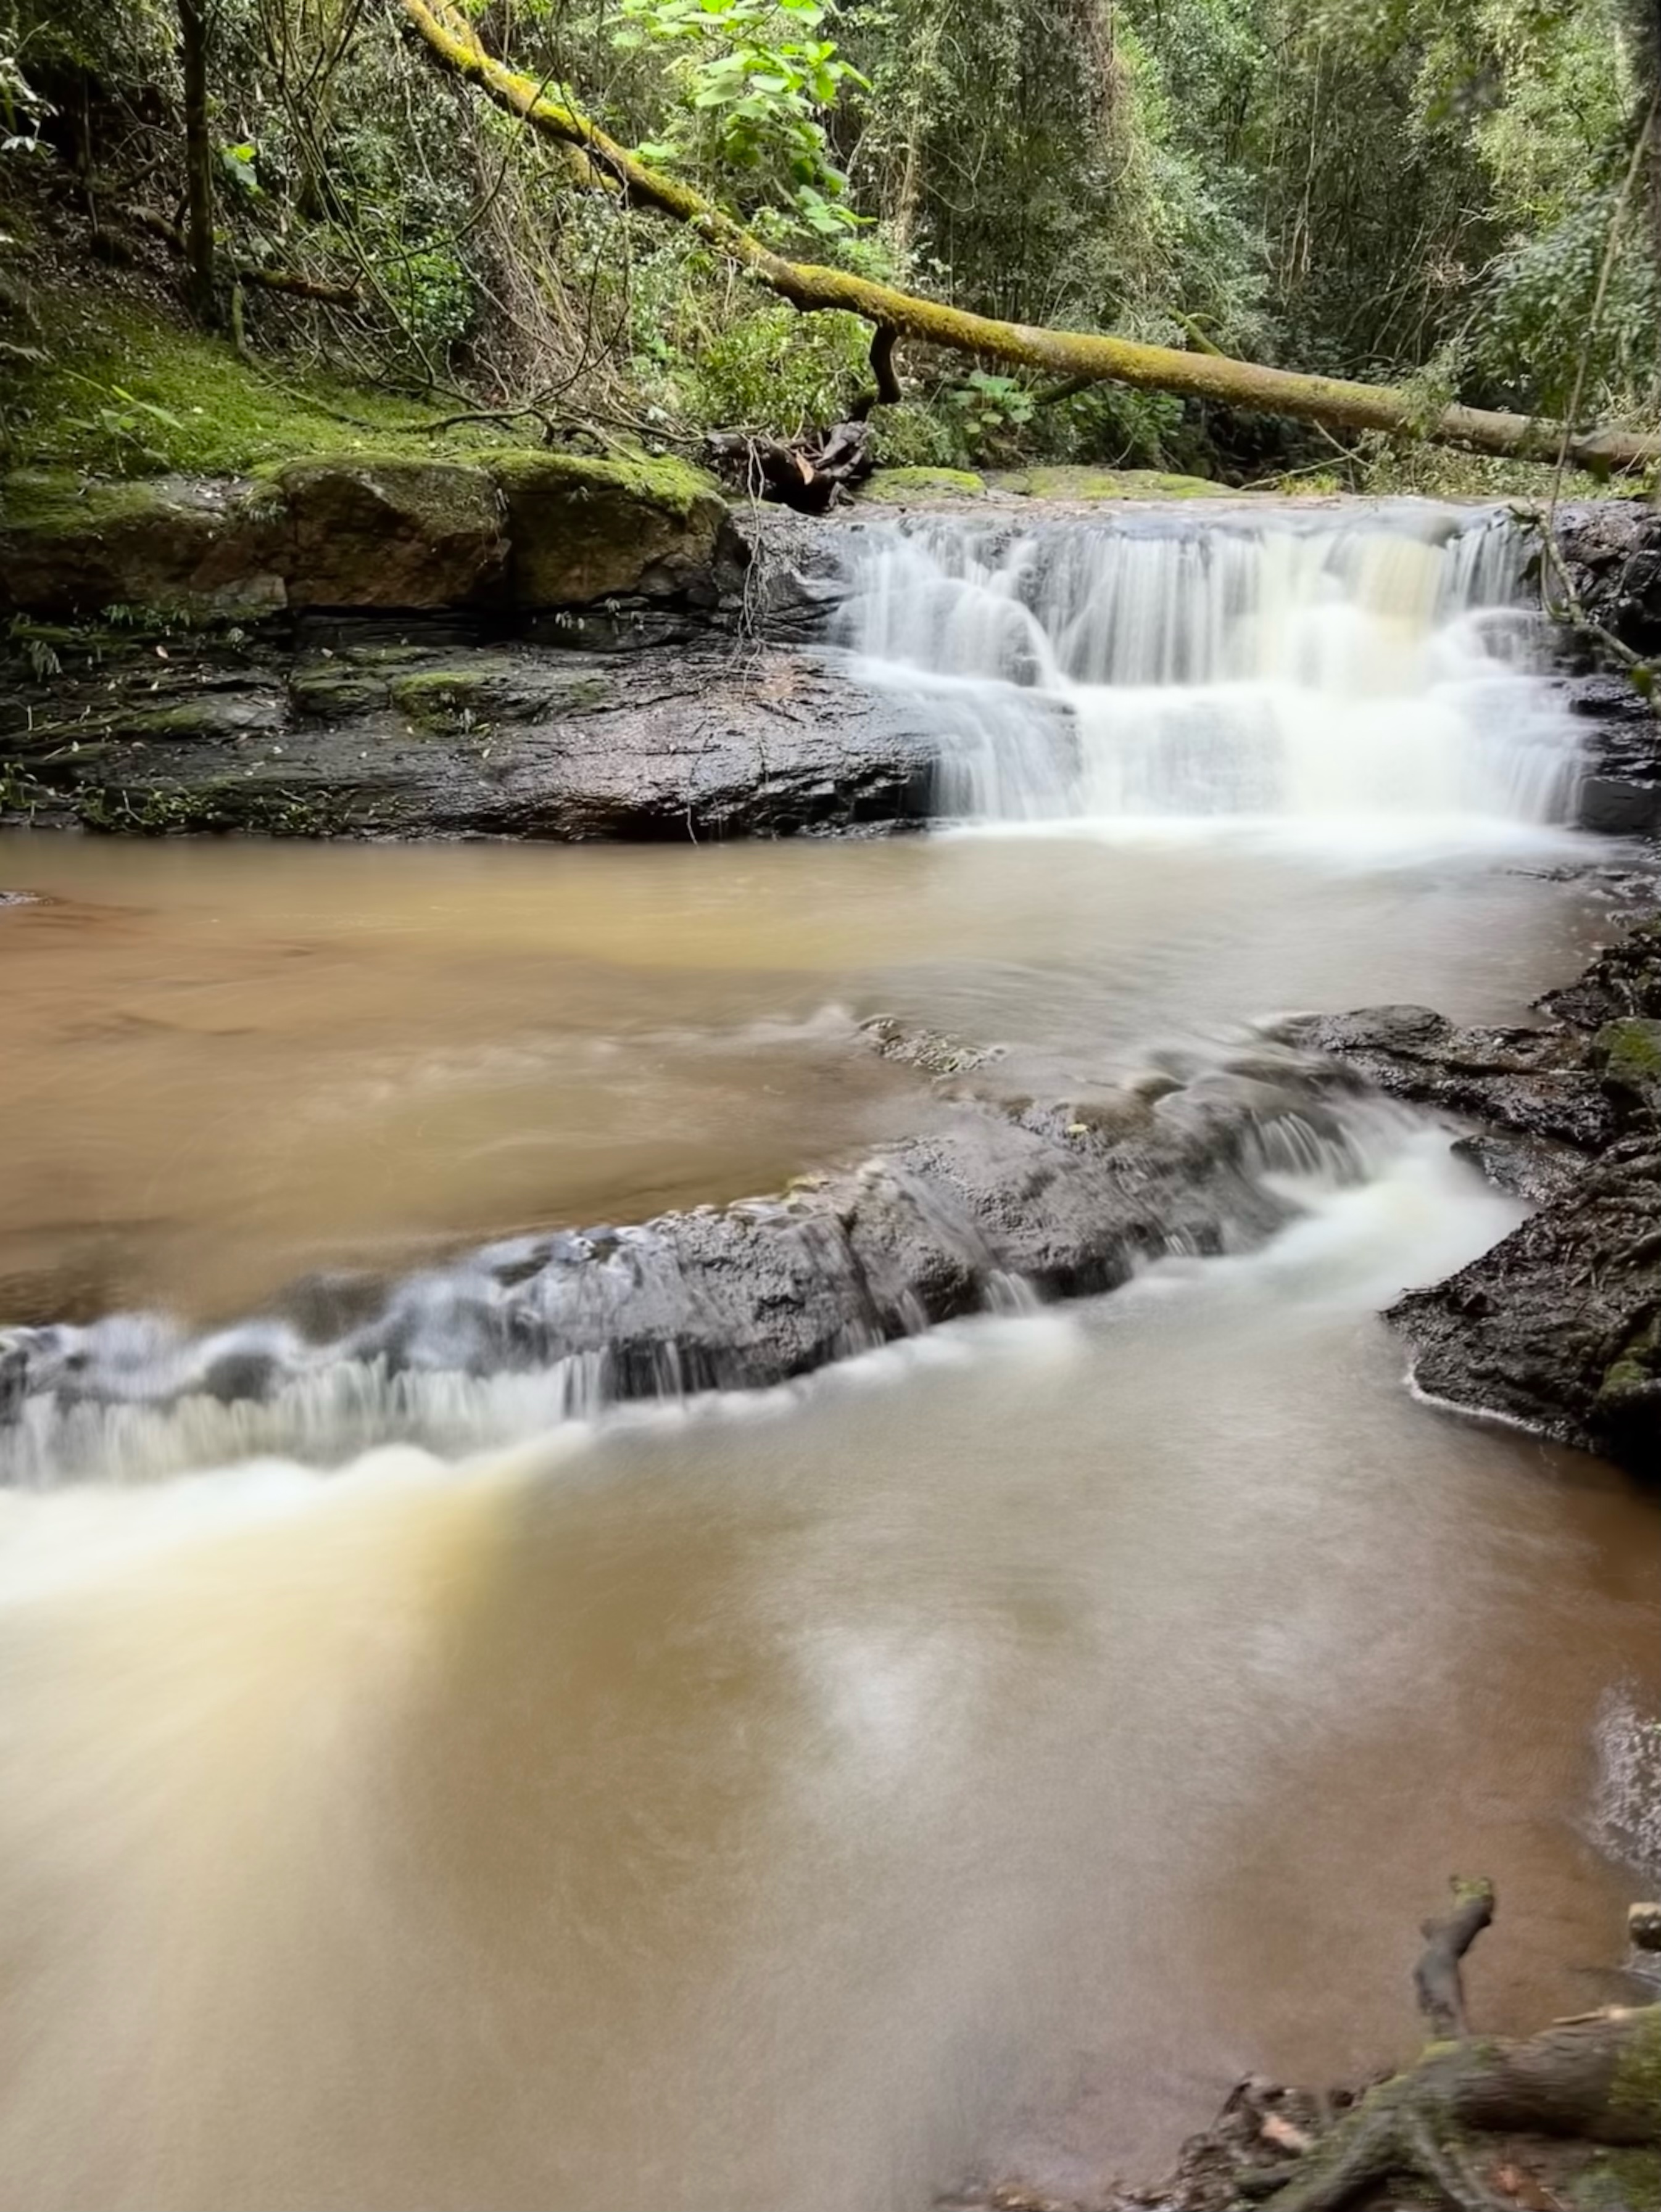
(194, 33)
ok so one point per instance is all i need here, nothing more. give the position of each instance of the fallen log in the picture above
(1087, 356)
(1598, 2077)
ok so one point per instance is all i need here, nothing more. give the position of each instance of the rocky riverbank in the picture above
(1558, 1328)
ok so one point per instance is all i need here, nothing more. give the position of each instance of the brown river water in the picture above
(972, 1759)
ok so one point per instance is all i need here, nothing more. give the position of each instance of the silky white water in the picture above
(1329, 678)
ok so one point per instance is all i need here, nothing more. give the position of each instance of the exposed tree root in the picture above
(1078, 356)
(1598, 2077)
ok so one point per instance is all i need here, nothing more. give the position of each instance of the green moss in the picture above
(587, 694)
(329, 692)
(1618, 2181)
(1638, 1364)
(1066, 483)
(589, 530)
(439, 698)
(1628, 1052)
(190, 718)
(1635, 2092)
(122, 392)
(674, 486)
(908, 484)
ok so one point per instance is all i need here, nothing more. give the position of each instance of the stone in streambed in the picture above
(748, 1294)
(1556, 1328)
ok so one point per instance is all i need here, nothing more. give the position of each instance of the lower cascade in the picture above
(1301, 669)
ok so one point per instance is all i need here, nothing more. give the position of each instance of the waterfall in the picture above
(1277, 668)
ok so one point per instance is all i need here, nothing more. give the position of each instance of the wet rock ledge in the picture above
(538, 646)
(1009, 1202)
(1559, 1327)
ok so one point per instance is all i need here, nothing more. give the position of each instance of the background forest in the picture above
(1457, 193)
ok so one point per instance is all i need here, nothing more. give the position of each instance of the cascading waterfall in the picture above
(1295, 668)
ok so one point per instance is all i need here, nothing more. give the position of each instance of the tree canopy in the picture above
(1457, 199)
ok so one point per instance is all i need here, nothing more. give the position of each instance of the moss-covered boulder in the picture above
(69, 546)
(584, 530)
(341, 532)
(392, 533)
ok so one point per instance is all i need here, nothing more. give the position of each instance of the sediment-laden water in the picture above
(978, 1754)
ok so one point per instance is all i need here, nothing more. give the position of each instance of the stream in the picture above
(970, 1758)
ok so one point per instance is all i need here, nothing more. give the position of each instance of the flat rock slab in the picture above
(392, 730)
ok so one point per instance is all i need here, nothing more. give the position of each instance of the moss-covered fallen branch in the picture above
(1082, 355)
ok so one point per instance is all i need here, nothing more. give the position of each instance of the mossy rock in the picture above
(393, 532)
(1617, 2181)
(584, 530)
(442, 699)
(903, 485)
(334, 694)
(1627, 1055)
(1068, 483)
(71, 546)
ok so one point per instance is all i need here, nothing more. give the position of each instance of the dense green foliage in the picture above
(1450, 189)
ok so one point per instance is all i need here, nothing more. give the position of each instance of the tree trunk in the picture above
(199, 160)
(1085, 355)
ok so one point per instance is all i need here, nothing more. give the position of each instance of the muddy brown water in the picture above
(974, 1759)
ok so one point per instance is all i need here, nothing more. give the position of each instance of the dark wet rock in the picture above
(945, 1224)
(1623, 978)
(1607, 570)
(1621, 792)
(1535, 1083)
(1525, 1166)
(382, 733)
(1610, 549)
(1559, 1327)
